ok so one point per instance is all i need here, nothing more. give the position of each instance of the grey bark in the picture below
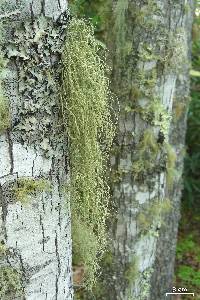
(36, 234)
(150, 58)
(163, 276)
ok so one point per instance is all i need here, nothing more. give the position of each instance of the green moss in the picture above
(131, 272)
(86, 115)
(4, 108)
(148, 142)
(10, 283)
(4, 114)
(153, 213)
(144, 221)
(10, 278)
(171, 162)
(147, 152)
(160, 117)
(27, 187)
(3, 250)
(189, 275)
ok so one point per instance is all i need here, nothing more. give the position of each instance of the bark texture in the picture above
(150, 64)
(162, 279)
(35, 218)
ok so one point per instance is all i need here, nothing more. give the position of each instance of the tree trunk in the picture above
(35, 233)
(162, 279)
(151, 50)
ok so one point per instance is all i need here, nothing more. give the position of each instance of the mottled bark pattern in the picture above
(150, 52)
(36, 234)
(162, 279)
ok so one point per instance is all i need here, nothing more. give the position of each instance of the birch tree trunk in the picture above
(151, 56)
(35, 248)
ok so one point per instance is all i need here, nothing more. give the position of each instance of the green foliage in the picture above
(195, 73)
(85, 9)
(10, 283)
(96, 11)
(192, 159)
(27, 187)
(187, 245)
(188, 275)
(86, 113)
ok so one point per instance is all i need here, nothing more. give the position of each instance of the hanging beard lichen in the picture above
(86, 111)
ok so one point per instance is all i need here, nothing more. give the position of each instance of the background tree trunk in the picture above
(150, 64)
(162, 279)
(35, 219)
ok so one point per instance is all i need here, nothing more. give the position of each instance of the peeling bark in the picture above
(35, 232)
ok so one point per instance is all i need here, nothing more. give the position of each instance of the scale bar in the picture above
(180, 294)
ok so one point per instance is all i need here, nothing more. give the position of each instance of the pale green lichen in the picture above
(161, 117)
(152, 215)
(3, 250)
(37, 46)
(27, 187)
(10, 277)
(10, 283)
(86, 115)
(145, 283)
(147, 152)
(176, 51)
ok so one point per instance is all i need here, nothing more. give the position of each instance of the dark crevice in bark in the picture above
(10, 145)
(59, 4)
(57, 253)
(3, 204)
(31, 10)
(58, 260)
(43, 7)
(33, 166)
(43, 235)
